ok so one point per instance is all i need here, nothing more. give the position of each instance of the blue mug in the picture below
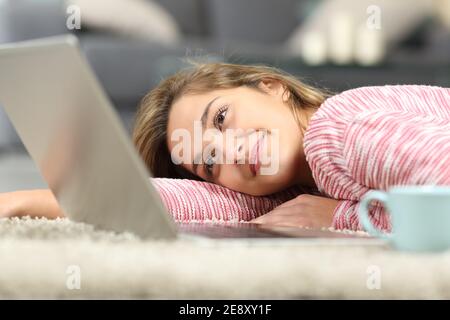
(420, 216)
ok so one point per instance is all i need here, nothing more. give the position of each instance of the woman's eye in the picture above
(220, 117)
(209, 168)
(209, 163)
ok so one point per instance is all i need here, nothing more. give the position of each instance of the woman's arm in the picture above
(379, 149)
(382, 149)
(345, 216)
(305, 210)
(33, 203)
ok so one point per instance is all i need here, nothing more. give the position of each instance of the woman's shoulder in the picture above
(330, 137)
(392, 90)
(412, 98)
(341, 110)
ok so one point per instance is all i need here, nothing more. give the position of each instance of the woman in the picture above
(342, 145)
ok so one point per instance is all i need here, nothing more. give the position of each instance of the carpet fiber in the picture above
(41, 258)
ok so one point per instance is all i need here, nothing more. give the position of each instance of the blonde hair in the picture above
(150, 128)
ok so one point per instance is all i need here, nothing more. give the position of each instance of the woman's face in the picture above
(248, 140)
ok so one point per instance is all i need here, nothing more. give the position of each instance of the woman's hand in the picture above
(303, 211)
(9, 204)
(34, 203)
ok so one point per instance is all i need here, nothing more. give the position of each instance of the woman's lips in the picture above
(255, 163)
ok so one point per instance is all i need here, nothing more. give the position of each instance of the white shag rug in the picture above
(42, 258)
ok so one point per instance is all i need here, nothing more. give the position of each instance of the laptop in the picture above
(77, 140)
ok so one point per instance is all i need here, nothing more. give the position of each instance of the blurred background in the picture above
(133, 44)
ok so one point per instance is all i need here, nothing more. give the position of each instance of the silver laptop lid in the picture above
(68, 126)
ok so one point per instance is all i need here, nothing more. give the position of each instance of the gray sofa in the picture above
(128, 68)
(243, 31)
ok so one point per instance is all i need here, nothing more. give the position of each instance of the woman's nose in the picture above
(234, 151)
(240, 155)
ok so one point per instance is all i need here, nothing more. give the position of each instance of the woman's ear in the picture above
(274, 88)
(286, 95)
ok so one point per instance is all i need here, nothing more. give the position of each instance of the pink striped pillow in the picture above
(191, 200)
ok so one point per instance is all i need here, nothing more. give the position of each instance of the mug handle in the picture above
(363, 212)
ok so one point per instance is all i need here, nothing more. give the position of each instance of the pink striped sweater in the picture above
(377, 137)
(201, 201)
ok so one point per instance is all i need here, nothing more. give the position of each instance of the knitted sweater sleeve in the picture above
(200, 201)
(386, 148)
